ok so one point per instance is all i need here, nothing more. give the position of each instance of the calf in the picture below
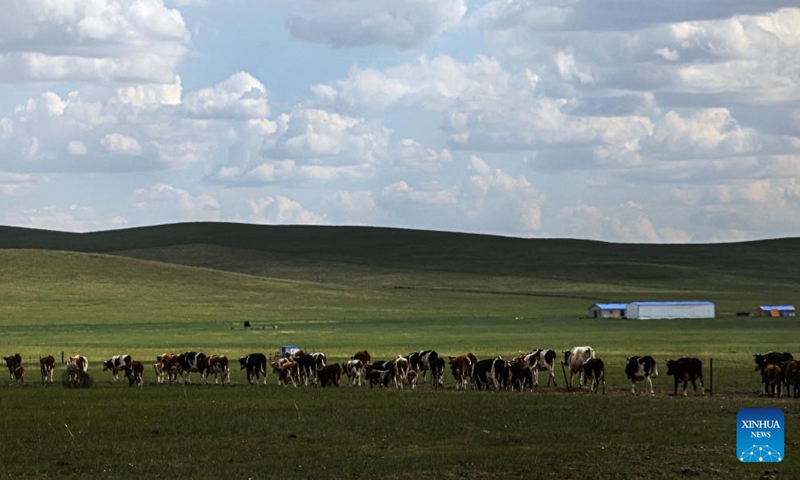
(686, 370)
(574, 359)
(354, 369)
(47, 365)
(412, 379)
(133, 372)
(641, 369)
(12, 362)
(437, 371)
(595, 373)
(116, 364)
(329, 375)
(772, 379)
(255, 363)
(18, 373)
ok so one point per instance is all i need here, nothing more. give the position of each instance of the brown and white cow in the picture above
(401, 369)
(133, 372)
(116, 364)
(19, 371)
(77, 366)
(286, 370)
(47, 365)
(355, 371)
(461, 368)
(167, 365)
(218, 366)
(12, 362)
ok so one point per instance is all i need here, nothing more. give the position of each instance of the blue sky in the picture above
(679, 122)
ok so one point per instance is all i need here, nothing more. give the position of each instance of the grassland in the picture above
(178, 287)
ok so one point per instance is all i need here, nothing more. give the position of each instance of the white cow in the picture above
(574, 359)
(354, 369)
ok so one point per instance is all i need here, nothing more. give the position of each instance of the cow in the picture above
(167, 364)
(354, 369)
(380, 373)
(133, 372)
(77, 366)
(329, 375)
(412, 379)
(47, 365)
(772, 379)
(769, 358)
(437, 371)
(192, 362)
(116, 364)
(401, 369)
(545, 360)
(641, 369)
(362, 355)
(489, 372)
(791, 375)
(594, 371)
(12, 362)
(421, 362)
(217, 365)
(574, 359)
(308, 365)
(255, 363)
(286, 370)
(461, 367)
(686, 370)
(520, 375)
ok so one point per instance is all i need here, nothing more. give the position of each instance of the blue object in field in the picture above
(290, 349)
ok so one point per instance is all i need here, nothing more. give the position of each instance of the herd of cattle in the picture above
(521, 373)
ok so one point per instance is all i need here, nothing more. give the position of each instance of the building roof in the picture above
(671, 303)
(780, 308)
(610, 306)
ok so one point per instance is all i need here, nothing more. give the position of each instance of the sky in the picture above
(618, 120)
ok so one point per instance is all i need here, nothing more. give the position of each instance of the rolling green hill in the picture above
(739, 275)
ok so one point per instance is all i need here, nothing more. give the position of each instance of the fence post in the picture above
(62, 358)
(711, 377)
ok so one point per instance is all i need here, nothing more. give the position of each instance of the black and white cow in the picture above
(380, 373)
(256, 364)
(489, 372)
(116, 364)
(641, 369)
(770, 358)
(686, 370)
(574, 359)
(192, 362)
(546, 361)
(594, 370)
(309, 364)
(421, 362)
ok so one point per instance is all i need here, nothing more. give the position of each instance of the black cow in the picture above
(192, 362)
(116, 364)
(520, 375)
(641, 369)
(686, 370)
(255, 363)
(594, 371)
(437, 370)
(770, 358)
(309, 364)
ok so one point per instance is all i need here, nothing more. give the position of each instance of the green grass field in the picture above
(338, 290)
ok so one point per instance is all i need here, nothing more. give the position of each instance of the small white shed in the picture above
(658, 310)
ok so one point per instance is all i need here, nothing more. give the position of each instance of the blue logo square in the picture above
(759, 435)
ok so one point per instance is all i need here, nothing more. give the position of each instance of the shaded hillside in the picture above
(424, 259)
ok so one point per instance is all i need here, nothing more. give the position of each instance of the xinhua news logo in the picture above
(759, 435)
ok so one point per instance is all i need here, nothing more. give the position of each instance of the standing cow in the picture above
(574, 359)
(686, 370)
(47, 365)
(12, 362)
(255, 363)
(769, 358)
(641, 369)
(133, 372)
(595, 373)
(116, 364)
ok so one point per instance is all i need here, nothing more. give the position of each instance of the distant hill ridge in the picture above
(341, 254)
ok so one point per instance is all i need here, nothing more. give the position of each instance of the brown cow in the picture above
(771, 374)
(460, 367)
(18, 372)
(47, 365)
(218, 365)
(329, 375)
(364, 356)
(791, 375)
(168, 365)
(12, 362)
(133, 372)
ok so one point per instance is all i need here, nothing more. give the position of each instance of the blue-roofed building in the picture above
(608, 310)
(777, 311)
(659, 310)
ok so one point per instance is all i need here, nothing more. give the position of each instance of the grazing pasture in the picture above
(136, 292)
